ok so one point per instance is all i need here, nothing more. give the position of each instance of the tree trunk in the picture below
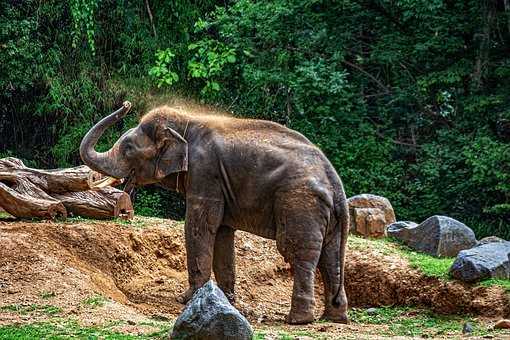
(107, 202)
(58, 180)
(27, 192)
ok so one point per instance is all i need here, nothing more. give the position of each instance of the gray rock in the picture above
(402, 224)
(483, 261)
(437, 235)
(489, 239)
(372, 311)
(467, 328)
(209, 315)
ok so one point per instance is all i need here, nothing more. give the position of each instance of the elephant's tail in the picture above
(341, 211)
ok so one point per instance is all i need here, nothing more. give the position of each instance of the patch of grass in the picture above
(429, 265)
(65, 329)
(136, 222)
(95, 301)
(505, 284)
(47, 295)
(26, 309)
(406, 321)
(4, 214)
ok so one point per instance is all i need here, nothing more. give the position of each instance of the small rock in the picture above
(159, 280)
(467, 328)
(437, 236)
(490, 260)
(372, 311)
(502, 324)
(209, 315)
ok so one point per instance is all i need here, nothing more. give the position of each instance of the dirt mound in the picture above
(141, 268)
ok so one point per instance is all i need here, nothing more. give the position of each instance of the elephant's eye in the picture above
(128, 149)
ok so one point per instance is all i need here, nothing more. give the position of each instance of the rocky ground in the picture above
(123, 278)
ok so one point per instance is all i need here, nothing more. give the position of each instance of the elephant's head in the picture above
(147, 153)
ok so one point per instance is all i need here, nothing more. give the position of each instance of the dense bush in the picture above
(408, 99)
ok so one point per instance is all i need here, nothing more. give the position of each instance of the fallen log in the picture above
(27, 192)
(107, 202)
(79, 178)
(22, 198)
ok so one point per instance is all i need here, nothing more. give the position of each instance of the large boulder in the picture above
(487, 260)
(370, 214)
(209, 316)
(437, 236)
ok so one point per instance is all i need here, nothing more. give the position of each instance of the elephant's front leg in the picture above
(224, 261)
(203, 218)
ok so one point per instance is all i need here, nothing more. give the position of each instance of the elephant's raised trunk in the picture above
(104, 162)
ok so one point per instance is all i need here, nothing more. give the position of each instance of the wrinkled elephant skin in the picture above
(240, 174)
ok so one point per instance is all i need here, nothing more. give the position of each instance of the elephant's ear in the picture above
(173, 153)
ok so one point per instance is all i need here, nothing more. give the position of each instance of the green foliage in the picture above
(162, 71)
(208, 62)
(158, 202)
(82, 13)
(149, 203)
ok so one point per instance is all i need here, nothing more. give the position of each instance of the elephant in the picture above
(239, 174)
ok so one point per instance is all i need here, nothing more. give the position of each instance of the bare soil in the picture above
(140, 268)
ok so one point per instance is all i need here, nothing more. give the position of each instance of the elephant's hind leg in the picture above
(335, 300)
(303, 265)
(299, 239)
(224, 261)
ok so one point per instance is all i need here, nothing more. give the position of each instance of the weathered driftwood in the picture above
(107, 202)
(27, 192)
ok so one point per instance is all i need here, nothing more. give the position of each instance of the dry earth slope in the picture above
(140, 267)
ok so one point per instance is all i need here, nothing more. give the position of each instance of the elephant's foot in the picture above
(186, 296)
(338, 315)
(300, 318)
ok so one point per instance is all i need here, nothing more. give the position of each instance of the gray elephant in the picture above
(239, 174)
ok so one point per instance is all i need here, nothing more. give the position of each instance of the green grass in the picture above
(406, 321)
(26, 309)
(65, 329)
(4, 214)
(47, 295)
(136, 223)
(505, 284)
(429, 265)
(95, 301)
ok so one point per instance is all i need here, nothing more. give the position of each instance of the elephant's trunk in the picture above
(104, 162)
